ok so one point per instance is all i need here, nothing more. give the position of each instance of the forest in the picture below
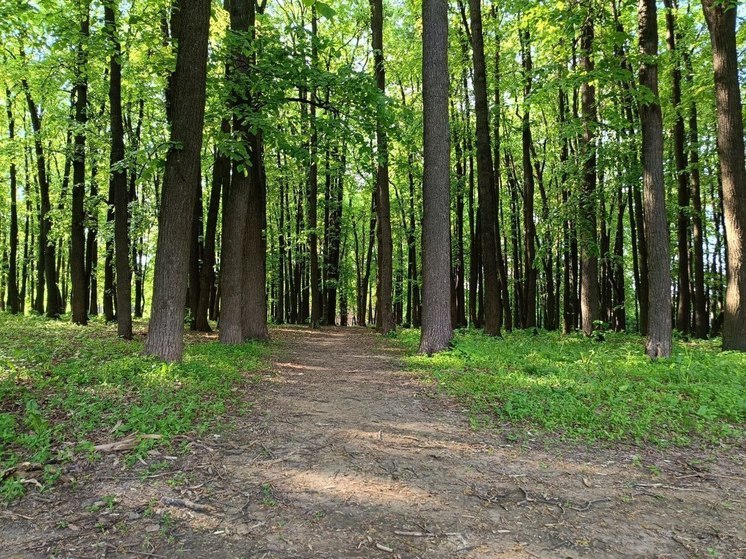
(265, 163)
(372, 278)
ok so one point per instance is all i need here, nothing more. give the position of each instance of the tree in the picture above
(385, 314)
(118, 178)
(589, 291)
(491, 250)
(658, 343)
(313, 187)
(682, 174)
(77, 234)
(14, 302)
(47, 263)
(436, 223)
(721, 22)
(237, 191)
(181, 181)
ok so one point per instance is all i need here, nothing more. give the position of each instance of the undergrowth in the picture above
(578, 388)
(65, 388)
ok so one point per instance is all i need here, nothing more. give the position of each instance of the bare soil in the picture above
(345, 455)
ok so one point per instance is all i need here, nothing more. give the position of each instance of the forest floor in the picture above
(346, 455)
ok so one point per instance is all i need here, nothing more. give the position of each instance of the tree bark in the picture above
(220, 182)
(109, 282)
(180, 184)
(47, 273)
(589, 289)
(119, 181)
(195, 259)
(682, 174)
(254, 311)
(436, 224)
(14, 305)
(236, 201)
(530, 276)
(701, 318)
(721, 22)
(658, 343)
(485, 179)
(77, 234)
(385, 316)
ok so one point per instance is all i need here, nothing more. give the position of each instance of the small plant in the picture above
(167, 522)
(268, 499)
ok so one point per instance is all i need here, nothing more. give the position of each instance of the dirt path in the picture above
(346, 456)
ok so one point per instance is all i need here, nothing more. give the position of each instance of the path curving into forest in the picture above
(346, 455)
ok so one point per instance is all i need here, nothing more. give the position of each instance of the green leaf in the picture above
(325, 10)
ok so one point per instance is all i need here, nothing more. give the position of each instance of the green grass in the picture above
(577, 388)
(64, 388)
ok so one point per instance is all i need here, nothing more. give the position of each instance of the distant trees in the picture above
(554, 212)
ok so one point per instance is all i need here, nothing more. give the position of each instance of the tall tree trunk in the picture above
(659, 341)
(235, 206)
(313, 186)
(109, 281)
(136, 245)
(589, 289)
(436, 223)
(412, 271)
(701, 318)
(14, 305)
(220, 181)
(91, 247)
(682, 174)
(181, 181)
(47, 273)
(254, 311)
(334, 234)
(281, 241)
(384, 288)
(195, 259)
(77, 234)
(620, 313)
(530, 276)
(118, 181)
(721, 21)
(491, 251)
(363, 298)
(501, 264)
(26, 272)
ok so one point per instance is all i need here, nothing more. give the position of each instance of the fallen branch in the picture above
(673, 487)
(184, 503)
(589, 504)
(415, 534)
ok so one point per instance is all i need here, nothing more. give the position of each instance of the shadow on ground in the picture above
(345, 455)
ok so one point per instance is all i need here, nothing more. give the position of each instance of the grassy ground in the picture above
(65, 388)
(578, 388)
